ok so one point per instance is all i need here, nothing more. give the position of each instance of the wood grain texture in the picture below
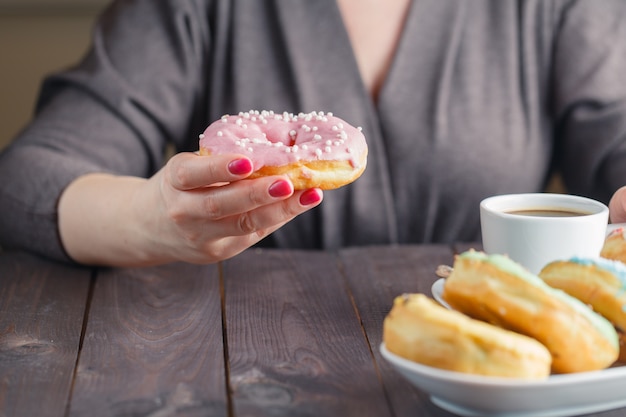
(42, 305)
(302, 335)
(153, 345)
(295, 344)
(462, 247)
(377, 275)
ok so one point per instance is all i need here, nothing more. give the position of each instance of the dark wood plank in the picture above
(463, 246)
(42, 305)
(376, 275)
(295, 344)
(153, 345)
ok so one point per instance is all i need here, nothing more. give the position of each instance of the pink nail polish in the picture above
(241, 166)
(311, 196)
(280, 188)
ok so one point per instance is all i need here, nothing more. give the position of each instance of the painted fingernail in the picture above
(281, 188)
(241, 166)
(311, 196)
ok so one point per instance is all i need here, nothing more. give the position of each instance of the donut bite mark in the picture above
(316, 150)
(497, 290)
(419, 329)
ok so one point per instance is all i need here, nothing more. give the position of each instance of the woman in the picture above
(458, 101)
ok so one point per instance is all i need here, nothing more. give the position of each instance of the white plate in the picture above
(556, 396)
(437, 291)
(475, 395)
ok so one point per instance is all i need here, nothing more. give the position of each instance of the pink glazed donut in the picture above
(316, 150)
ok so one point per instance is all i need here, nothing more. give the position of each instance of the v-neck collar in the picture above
(398, 51)
(398, 54)
(368, 200)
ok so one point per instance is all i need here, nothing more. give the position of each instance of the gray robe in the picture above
(483, 97)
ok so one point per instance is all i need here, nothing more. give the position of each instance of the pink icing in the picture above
(277, 139)
(618, 231)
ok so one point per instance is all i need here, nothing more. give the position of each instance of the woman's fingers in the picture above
(244, 206)
(215, 203)
(212, 211)
(206, 240)
(617, 206)
(242, 231)
(267, 218)
(188, 171)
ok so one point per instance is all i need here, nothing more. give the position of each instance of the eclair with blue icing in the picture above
(598, 282)
(498, 290)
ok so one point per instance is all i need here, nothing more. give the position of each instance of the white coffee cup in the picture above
(535, 229)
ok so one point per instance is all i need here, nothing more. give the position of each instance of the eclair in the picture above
(419, 329)
(496, 289)
(597, 282)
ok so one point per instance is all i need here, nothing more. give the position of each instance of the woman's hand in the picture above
(617, 206)
(197, 209)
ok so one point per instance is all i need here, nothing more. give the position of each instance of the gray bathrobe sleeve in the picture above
(482, 98)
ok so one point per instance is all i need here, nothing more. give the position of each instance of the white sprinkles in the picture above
(256, 116)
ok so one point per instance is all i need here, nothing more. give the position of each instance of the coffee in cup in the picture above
(534, 229)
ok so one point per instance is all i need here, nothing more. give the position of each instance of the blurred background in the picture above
(37, 37)
(42, 36)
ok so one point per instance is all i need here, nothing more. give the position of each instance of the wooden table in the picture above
(267, 333)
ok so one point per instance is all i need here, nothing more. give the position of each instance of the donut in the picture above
(316, 150)
(419, 329)
(615, 245)
(598, 282)
(498, 290)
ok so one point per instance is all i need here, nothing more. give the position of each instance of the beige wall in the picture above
(36, 38)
